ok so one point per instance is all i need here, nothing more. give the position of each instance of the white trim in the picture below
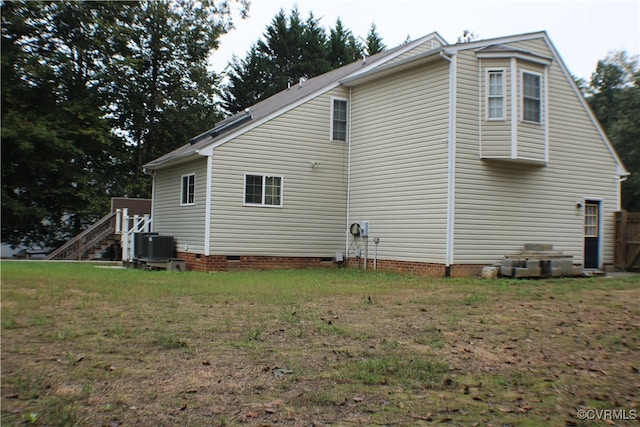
(346, 136)
(503, 74)
(182, 195)
(347, 234)
(545, 113)
(600, 201)
(453, 49)
(517, 55)
(451, 166)
(207, 207)
(513, 75)
(480, 101)
(264, 185)
(524, 71)
(525, 160)
(153, 199)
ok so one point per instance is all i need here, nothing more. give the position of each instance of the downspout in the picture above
(513, 75)
(346, 247)
(451, 164)
(207, 207)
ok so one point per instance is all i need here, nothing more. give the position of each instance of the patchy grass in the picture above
(88, 346)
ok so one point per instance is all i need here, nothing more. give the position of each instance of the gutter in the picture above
(207, 206)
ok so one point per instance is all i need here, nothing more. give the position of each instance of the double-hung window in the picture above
(495, 95)
(187, 195)
(338, 119)
(531, 97)
(262, 190)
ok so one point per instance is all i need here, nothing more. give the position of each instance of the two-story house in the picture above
(454, 155)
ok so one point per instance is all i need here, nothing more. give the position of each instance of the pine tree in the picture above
(374, 42)
(290, 49)
(343, 47)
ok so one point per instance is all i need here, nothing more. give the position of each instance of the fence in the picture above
(627, 250)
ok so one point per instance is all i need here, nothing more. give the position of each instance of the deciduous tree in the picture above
(90, 92)
(614, 96)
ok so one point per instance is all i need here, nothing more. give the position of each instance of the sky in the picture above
(583, 31)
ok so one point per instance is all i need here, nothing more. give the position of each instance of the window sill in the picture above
(529, 122)
(252, 205)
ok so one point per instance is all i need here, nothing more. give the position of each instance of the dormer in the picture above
(513, 100)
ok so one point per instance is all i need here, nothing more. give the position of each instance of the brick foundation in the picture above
(467, 270)
(408, 267)
(423, 268)
(196, 262)
(224, 263)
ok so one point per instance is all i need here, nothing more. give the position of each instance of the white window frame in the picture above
(502, 96)
(331, 127)
(184, 196)
(540, 97)
(264, 190)
(591, 219)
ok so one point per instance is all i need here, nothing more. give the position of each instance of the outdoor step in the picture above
(538, 247)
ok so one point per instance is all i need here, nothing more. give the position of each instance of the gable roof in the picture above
(279, 103)
(360, 71)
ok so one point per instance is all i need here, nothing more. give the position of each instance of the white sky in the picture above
(583, 32)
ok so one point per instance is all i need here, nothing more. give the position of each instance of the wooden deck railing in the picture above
(79, 246)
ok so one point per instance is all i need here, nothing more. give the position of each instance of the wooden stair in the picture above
(90, 243)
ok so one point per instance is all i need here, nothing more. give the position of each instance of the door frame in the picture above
(598, 202)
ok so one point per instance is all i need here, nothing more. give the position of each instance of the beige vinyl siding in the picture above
(500, 205)
(531, 143)
(311, 221)
(426, 46)
(399, 162)
(185, 223)
(495, 135)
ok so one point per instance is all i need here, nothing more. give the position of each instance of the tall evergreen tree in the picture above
(343, 47)
(374, 41)
(314, 59)
(248, 80)
(290, 49)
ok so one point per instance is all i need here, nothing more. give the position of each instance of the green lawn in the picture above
(84, 345)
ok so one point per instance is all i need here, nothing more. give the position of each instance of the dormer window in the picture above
(513, 98)
(531, 97)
